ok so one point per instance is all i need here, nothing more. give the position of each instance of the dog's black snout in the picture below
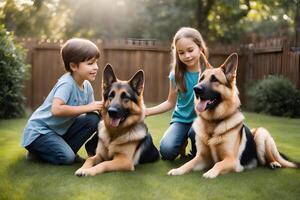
(113, 112)
(199, 89)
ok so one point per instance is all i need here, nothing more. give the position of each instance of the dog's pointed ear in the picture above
(229, 67)
(108, 78)
(204, 64)
(137, 82)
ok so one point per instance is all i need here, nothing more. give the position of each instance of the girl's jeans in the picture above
(174, 138)
(58, 149)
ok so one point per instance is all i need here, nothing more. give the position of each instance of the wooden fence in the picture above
(256, 61)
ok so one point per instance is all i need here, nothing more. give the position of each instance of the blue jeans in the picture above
(174, 138)
(58, 149)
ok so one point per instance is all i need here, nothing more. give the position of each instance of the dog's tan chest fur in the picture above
(221, 137)
(108, 146)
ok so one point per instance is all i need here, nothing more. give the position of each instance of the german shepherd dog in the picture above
(124, 140)
(223, 142)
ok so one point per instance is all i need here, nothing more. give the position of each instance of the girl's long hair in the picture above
(179, 67)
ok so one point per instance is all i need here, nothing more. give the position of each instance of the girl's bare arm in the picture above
(166, 105)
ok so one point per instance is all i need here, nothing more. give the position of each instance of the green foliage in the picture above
(275, 95)
(13, 72)
(222, 21)
(164, 18)
(39, 18)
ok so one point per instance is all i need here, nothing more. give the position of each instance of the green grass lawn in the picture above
(21, 179)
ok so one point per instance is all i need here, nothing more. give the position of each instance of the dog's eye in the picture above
(125, 97)
(111, 95)
(201, 78)
(125, 100)
(214, 79)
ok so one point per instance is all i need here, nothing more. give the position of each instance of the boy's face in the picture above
(86, 70)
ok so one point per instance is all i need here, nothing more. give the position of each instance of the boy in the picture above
(66, 119)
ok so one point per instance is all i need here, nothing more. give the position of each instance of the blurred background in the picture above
(134, 34)
(223, 21)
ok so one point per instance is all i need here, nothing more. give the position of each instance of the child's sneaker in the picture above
(30, 156)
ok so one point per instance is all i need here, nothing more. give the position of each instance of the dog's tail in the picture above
(291, 160)
(267, 152)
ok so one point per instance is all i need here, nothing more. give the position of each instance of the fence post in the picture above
(245, 70)
(250, 63)
(29, 44)
(285, 57)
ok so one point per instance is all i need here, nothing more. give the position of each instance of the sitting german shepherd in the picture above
(124, 140)
(223, 142)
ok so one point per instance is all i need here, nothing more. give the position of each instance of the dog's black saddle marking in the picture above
(249, 153)
(149, 151)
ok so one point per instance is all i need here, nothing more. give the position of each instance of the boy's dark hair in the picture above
(78, 50)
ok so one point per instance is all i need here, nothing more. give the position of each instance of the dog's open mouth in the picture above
(115, 122)
(206, 104)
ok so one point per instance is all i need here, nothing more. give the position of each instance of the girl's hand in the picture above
(146, 112)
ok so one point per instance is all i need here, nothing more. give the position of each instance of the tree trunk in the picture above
(202, 12)
(297, 24)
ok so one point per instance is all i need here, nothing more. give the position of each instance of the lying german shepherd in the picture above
(124, 140)
(223, 141)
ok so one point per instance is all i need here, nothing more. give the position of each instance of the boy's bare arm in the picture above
(60, 109)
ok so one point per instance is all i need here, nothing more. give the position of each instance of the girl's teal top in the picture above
(184, 111)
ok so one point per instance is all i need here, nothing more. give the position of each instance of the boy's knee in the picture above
(167, 151)
(66, 158)
(92, 119)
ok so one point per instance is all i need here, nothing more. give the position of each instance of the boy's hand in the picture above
(60, 109)
(96, 105)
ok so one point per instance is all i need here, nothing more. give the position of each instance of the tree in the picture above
(37, 18)
(297, 23)
(222, 20)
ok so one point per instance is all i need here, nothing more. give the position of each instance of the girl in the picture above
(63, 123)
(186, 47)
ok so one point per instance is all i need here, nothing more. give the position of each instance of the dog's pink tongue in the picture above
(202, 105)
(114, 122)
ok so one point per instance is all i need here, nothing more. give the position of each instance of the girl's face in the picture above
(188, 52)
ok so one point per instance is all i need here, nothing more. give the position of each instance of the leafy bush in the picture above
(13, 72)
(275, 95)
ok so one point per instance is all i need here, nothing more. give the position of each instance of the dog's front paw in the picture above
(275, 165)
(84, 172)
(175, 172)
(211, 174)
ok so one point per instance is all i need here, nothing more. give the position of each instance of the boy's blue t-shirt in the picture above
(184, 111)
(42, 121)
